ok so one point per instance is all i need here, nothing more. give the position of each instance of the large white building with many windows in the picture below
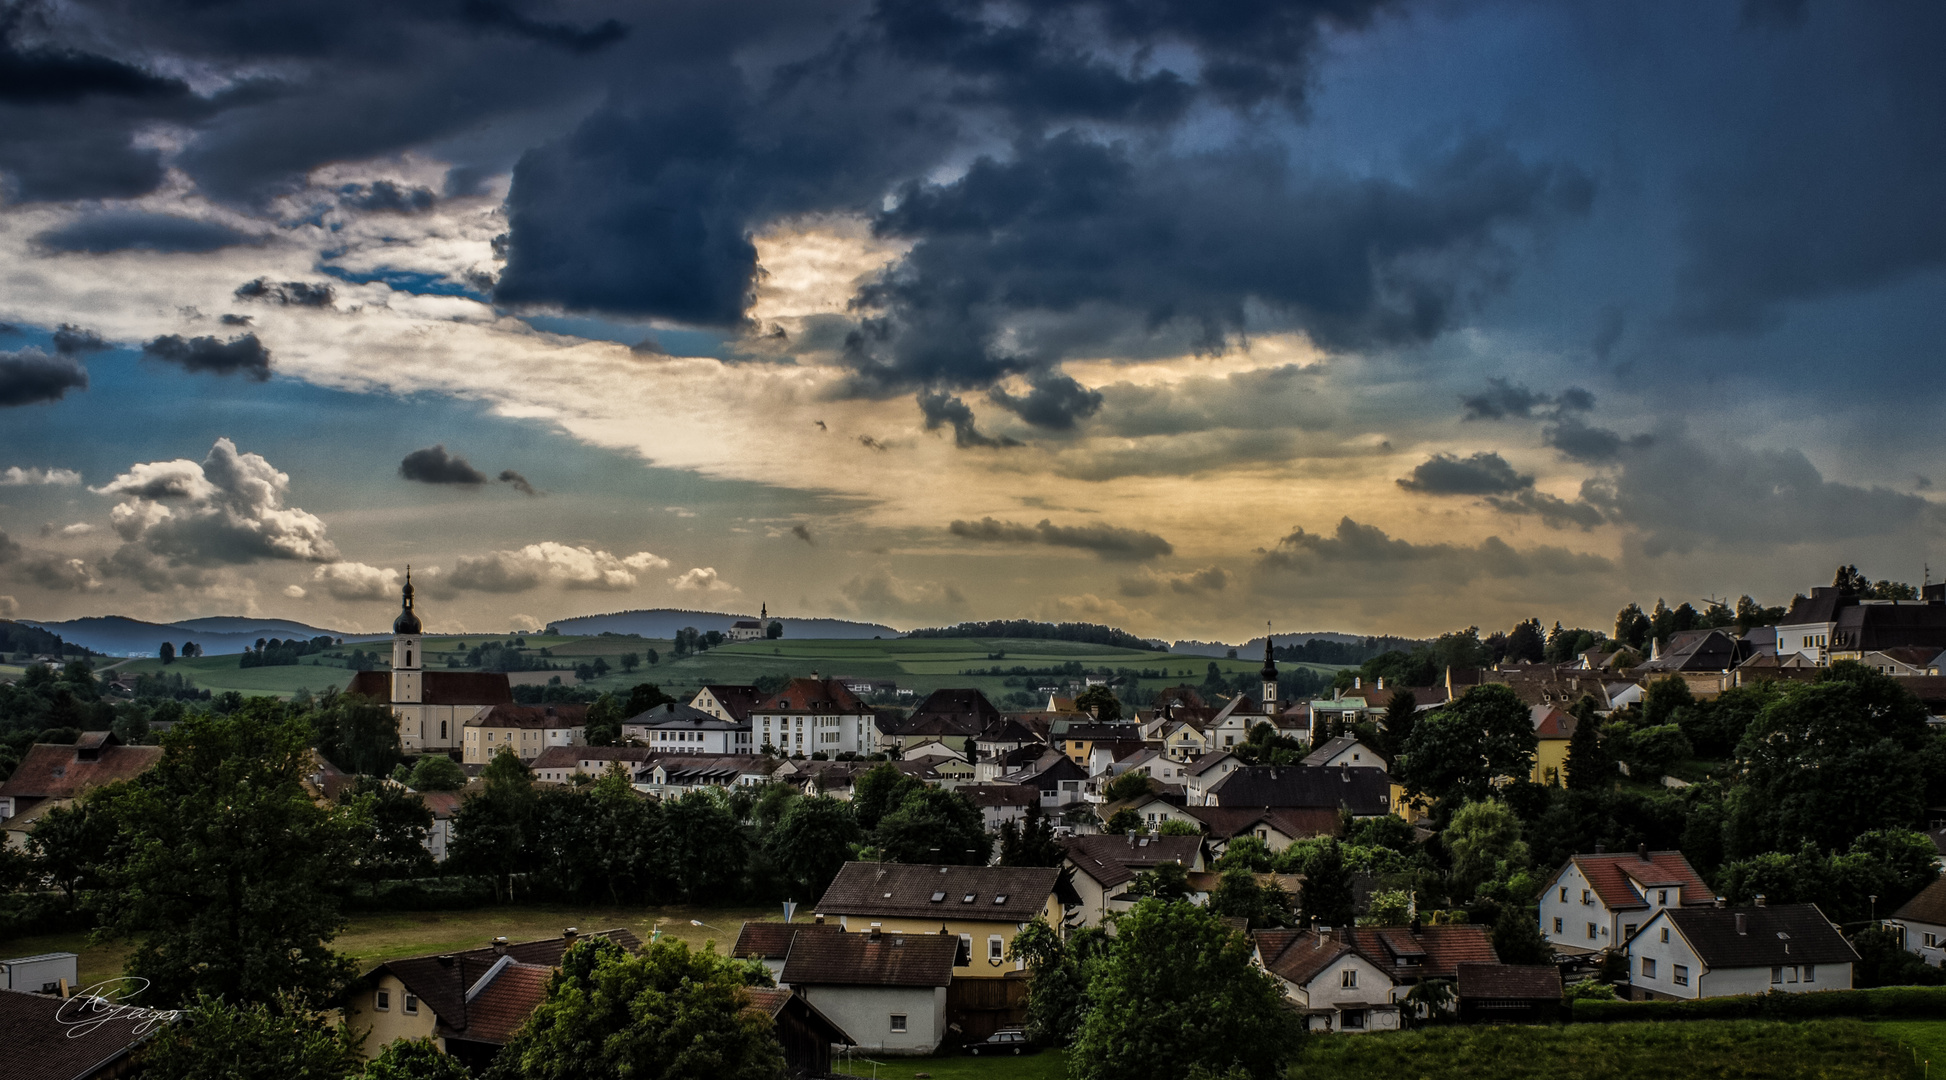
(812, 715)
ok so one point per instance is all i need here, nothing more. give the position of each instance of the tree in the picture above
(73, 845)
(1123, 821)
(1828, 761)
(1484, 840)
(1101, 702)
(281, 1039)
(1168, 881)
(1663, 698)
(390, 828)
(1517, 936)
(1179, 993)
(1849, 582)
(1632, 627)
(437, 772)
(230, 869)
(666, 1012)
(645, 696)
(774, 631)
(415, 1059)
(1326, 895)
(1401, 714)
(604, 721)
(1588, 766)
(630, 661)
(1179, 827)
(1034, 843)
(1247, 852)
(1057, 989)
(358, 734)
(934, 825)
(704, 845)
(877, 791)
(1388, 907)
(1457, 753)
(1527, 643)
(494, 828)
(1240, 895)
(1651, 752)
(168, 653)
(1882, 961)
(811, 843)
(1129, 785)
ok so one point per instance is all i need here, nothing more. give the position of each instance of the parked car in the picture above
(1004, 1041)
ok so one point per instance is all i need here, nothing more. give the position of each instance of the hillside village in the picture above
(1531, 828)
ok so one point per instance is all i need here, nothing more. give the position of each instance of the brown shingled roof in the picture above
(502, 1005)
(1000, 893)
(442, 980)
(1509, 981)
(1928, 907)
(538, 717)
(772, 940)
(1430, 952)
(887, 959)
(1112, 860)
(813, 696)
(43, 1043)
(52, 771)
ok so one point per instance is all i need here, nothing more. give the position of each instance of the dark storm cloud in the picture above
(1359, 551)
(72, 340)
(46, 74)
(385, 196)
(1054, 401)
(1107, 541)
(244, 355)
(519, 482)
(803, 532)
(1484, 473)
(1554, 511)
(1503, 399)
(30, 376)
(1583, 442)
(296, 293)
(941, 409)
(95, 234)
(433, 465)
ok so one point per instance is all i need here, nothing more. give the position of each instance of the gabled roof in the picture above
(1761, 936)
(1333, 747)
(772, 940)
(736, 700)
(440, 687)
(44, 1043)
(873, 959)
(1550, 722)
(824, 696)
(536, 717)
(984, 795)
(1822, 606)
(1527, 982)
(51, 771)
(967, 706)
(503, 1001)
(1051, 766)
(1877, 626)
(1930, 905)
(1008, 730)
(1618, 879)
(999, 893)
(1697, 650)
(441, 981)
(674, 714)
(1225, 822)
(1403, 953)
(1205, 762)
(1112, 860)
(443, 804)
(1365, 791)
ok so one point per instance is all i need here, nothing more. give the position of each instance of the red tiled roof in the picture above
(772, 940)
(1405, 954)
(813, 696)
(440, 687)
(504, 1004)
(1550, 722)
(59, 772)
(1503, 981)
(889, 959)
(1000, 893)
(1616, 879)
(540, 717)
(443, 804)
(441, 980)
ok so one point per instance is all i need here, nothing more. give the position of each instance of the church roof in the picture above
(440, 687)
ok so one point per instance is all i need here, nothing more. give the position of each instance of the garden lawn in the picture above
(1046, 1065)
(1724, 1049)
(1924, 1040)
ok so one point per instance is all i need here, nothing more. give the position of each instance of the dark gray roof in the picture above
(1328, 750)
(1869, 627)
(45, 1042)
(1768, 937)
(1930, 905)
(1365, 791)
(1112, 860)
(999, 893)
(675, 714)
(873, 959)
(1821, 606)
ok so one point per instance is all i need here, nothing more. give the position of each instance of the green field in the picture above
(1815, 1050)
(370, 938)
(921, 665)
(1046, 1065)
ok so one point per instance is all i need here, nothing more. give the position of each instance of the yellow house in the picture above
(529, 729)
(469, 1003)
(1183, 741)
(1554, 729)
(984, 906)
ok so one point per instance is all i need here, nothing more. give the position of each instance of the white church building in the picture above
(432, 706)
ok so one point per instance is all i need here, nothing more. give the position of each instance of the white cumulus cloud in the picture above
(356, 581)
(15, 476)
(229, 509)
(701, 579)
(551, 563)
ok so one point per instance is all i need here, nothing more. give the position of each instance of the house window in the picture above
(411, 1005)
(384, 1002)
(898, 1023)
(1648, 967)
(1591, 931)
(1776, 975)
(1662, 896)
(1628, 930)
(965, 956)
(1352, 1020)
(1810, 973)
(1586, 897)
(1680, 976)
(1557, 924)
(1932, 941)
(1564, 894)
(1348, 978)
(1665, 934)
(996, 948)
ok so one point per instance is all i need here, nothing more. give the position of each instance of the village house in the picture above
(1204, 772)
(1353, 979)
(561, 764)
(1364, 792)
(814, 715)
(1706, 952)
(1278, 826)
(527, 729)
(1920, 922)
(804, 1033)
(670, 776)
(728, 702)
(1104, 865)
(983, 907)
(1061, 781)
(885, 988)
(675, 728)
(1553, 729)
(1509, 993)
(1597, 902)
(469, 1002)
(769, 943)
(53, 775)
(43, 1041)
(1001, 803)
(1343, 750)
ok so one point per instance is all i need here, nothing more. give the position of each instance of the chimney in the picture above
(819, 920)
(1324, 934)
(1642, 850)
(1742, 924)
(1720, 902)
(570, 934)
(1600, 848)
(500, 946)
(1760, 899)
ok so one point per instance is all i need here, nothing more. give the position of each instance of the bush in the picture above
(1922, 1002)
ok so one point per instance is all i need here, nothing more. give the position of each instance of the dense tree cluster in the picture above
(1087, 633)
(273, 652)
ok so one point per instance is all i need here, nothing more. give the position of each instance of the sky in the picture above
(1375, 316)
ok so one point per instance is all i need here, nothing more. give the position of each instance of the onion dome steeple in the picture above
(1269, 672)
(408, 621)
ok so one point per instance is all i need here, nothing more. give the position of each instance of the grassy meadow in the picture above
(922, 665)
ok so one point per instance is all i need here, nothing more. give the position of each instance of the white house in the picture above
(1706, 952)
(1597, 902)
(887, 990)
(675, 728)
(1344, 750)
(810, 715)
(1921, 923)
(1345, 979)
(1104, 866)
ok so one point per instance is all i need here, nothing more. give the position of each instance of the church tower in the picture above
(1269, 675)
(408, 653)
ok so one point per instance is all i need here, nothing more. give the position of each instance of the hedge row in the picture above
(1926, 1002)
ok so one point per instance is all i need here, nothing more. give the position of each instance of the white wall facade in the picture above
(1660, 961)
(1370, 995)
(807, 733)
(1927, 941)
(866, 1014)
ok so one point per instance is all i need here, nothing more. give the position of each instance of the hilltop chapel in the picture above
(432, 707)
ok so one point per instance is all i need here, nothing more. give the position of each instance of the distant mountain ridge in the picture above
(664, 622)
(118, 635)
(1255, 646)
